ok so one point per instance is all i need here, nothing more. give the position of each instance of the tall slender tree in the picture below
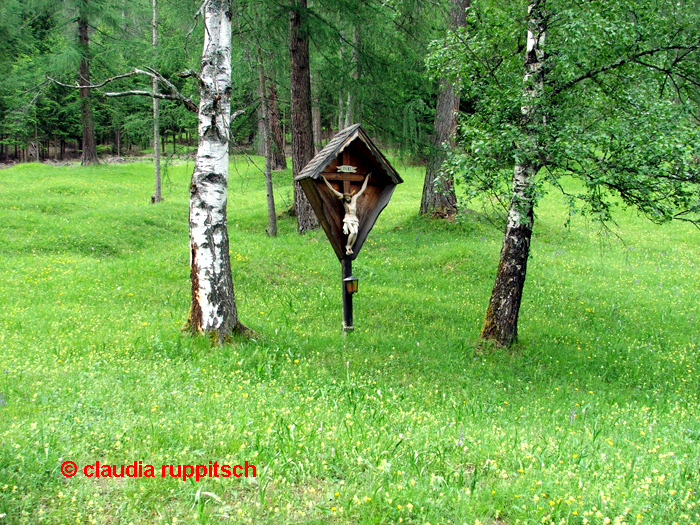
(302, 127)
(501, 320)
(157, 195)
(89, 155)
(213, 308)
(279, 159)
(611, 103)
(267, 143)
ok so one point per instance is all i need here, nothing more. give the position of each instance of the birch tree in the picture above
(157, 195)
(608, 98)
(213, 309)
(501, 321)
(89, 155)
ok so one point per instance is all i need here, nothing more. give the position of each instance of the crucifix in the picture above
(345, 175)
(341, 171)
(351, 223)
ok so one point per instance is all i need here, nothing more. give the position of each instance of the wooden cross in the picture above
(345, 178)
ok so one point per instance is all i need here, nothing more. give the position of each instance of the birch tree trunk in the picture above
(302, 129)
(157, 195)
(213, 309)
(89, 155)
(267, 144)
(438, 187)
(501, 321)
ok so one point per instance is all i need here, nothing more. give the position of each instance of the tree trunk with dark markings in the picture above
(501, 320)
(213, 309)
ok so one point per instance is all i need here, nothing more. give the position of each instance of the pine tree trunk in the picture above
(37, 143)
(213, 309)
(267, 142)
(157, 195)
(501, 320)
(357, 57)
(341, 117)
(302, 129)
(351, 109)
(438, 187)
(89, 155)
(279, 161)
(316, 117)
(260, 135)
(348, 111)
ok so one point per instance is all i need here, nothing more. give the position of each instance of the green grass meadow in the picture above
(592, 419)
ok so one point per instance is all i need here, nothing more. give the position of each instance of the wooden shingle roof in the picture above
(336, 146)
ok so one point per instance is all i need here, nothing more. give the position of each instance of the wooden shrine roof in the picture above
(336, 146)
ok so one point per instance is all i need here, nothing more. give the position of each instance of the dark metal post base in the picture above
(347, 297)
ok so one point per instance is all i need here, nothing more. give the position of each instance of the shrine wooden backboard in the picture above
(350, 149)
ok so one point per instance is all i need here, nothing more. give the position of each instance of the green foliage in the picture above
(395, 97)
(620, 102)
(594, 416)
(41, 40)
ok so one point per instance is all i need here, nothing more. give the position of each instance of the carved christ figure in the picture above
(351, 224)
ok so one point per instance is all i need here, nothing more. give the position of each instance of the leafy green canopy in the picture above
(619, 108)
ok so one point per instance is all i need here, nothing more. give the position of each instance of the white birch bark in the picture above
(213, 308)
(524, 173)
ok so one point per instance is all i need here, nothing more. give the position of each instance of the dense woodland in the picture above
(367, 65)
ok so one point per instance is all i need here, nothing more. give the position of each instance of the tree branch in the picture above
(94, 86)
(188, 73)
(162, 96)
(173, 95)
(621, 62)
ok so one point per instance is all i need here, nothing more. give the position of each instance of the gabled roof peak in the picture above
(336, 146)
